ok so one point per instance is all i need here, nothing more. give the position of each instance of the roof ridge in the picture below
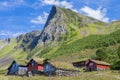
(100, 62)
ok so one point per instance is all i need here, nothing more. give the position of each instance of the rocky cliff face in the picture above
(29, 40)
(54, 27)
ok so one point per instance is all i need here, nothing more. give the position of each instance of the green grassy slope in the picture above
(9, 49)
(91, 42)
(79, 26)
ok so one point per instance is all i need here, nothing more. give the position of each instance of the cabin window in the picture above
(47, 67)
(91, 64)
(33, 64)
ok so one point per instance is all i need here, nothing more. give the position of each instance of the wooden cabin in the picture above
(16, 69)
(48, 68)
(92, 65)
(13, 68)
(34, 67)
(59, 68)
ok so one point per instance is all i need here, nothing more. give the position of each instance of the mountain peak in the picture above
(52, 13)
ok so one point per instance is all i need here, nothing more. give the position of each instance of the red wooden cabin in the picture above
(34, 66)
(96, 65)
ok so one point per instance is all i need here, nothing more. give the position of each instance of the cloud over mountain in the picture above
(99, 13)
(41, 19)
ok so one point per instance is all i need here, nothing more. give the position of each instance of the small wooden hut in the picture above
(34, 67)
(92, 65)
(16, 69)
(48, 68)
(13, 68)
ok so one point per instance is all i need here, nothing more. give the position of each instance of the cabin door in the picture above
(90, 69)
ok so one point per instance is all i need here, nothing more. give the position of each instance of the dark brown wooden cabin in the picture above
(92, 65)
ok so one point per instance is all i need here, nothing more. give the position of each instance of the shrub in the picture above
(116, 65)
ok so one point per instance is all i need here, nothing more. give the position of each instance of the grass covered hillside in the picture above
(67, 36)
(89, 42)
(8, 48)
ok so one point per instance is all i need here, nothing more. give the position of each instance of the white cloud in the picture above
(75, 10)
(40, 19)
(63, 3)
(10, 34)
(58, 3)
(114, 20)
(99, 13)
(4, 5)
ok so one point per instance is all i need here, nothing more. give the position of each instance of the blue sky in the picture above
(21, 16)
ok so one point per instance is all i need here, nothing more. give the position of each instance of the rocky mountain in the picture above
(29, 40)
(54, 27)
(63, 23)
(62, 29)
(68, 28)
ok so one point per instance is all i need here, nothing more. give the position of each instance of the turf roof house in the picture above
(92, 65)
(49, 69)
(16, 69)
(13, 68)
(34, 67)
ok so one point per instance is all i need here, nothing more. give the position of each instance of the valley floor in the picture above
(97, 75)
